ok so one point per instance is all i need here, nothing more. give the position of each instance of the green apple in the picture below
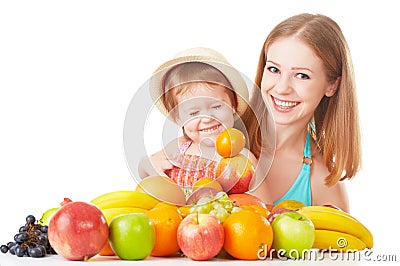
(293, 234)
(132, 236)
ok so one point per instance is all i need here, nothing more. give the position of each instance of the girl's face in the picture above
(294, 81)
(204, 111)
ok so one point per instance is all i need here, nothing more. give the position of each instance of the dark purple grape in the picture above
(21, 237)
(44, 229)
(22, 229)
(20, 251)
(12, 249)
(30, 219)
(42, 239)
(4, 248)
(36, 252)
(10, 244)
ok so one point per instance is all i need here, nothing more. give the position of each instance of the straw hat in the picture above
(203, 55)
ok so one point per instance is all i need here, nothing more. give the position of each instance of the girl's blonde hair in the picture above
(180, 78)
(336, 118)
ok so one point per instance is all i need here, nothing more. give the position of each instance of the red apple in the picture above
(78, 230)
(200, 236)
(235, 174)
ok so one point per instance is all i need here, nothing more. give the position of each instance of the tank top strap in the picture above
(307, 153)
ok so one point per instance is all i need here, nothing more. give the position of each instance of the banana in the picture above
(327, 239)
(110, 213)
(325, 208)
(336, 220)
(125, 198)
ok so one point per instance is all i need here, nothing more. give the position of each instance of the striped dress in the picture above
(192, 168)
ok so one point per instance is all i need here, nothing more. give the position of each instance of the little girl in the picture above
(201, 92)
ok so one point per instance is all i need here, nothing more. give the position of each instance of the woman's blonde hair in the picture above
(336, 118)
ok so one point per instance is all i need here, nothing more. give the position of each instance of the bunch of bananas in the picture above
(336, 229)
(125, 199)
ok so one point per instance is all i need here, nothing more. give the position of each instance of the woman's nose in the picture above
(283, 85)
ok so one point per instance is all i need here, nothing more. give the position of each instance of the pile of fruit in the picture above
(218, 219)
(134, 225)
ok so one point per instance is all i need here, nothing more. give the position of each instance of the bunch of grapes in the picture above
(220, 206)
(31, 240)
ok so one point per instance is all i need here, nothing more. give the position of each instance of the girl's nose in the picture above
(207, 118)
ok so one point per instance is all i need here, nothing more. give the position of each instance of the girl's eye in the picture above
(273, 69)
(302, 76)
(217, 106)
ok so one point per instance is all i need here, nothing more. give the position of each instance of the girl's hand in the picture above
(155, 164)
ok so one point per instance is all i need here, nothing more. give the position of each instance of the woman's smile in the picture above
(282, 105)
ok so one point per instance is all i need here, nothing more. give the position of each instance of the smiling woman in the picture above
(305, 75)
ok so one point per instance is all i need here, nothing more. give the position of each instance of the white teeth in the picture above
(208, 130)
(285, 104)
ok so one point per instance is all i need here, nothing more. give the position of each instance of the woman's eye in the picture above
(273, 69)
(194, 113)
(302, 76)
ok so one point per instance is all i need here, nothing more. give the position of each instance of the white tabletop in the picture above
(10, 260)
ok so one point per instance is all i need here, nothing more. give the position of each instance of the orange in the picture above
(248, 235)
(246, 199)
(258, 209)
(166, 221)
(230, 142)
(163, 204)
(184, 210)
(207, 182)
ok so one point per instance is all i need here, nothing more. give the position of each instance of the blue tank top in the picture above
(301, 188)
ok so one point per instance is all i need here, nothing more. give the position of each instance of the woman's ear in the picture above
(333, 88)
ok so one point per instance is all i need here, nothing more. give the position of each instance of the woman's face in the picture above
(204, 112)
(294, 81)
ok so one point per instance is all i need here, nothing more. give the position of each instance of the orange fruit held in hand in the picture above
(230, 142)
(166, 221)
(248, 235)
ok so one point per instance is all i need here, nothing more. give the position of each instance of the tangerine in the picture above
(166, 221)
(248, 235)
(230, 142)
(258, 209)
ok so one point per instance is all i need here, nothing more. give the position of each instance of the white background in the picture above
(68, 71)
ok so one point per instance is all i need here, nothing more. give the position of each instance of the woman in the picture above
(305, 76)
